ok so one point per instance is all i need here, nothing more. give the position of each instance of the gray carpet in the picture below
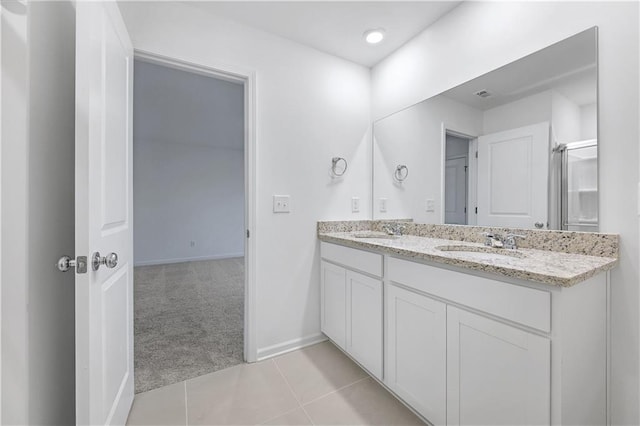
(188, 320)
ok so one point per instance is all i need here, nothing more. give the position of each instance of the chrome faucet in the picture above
(493, 240)
(510, 241)
(394, 228)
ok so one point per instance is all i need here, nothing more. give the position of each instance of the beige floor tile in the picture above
(244, 394)
(364, 403)
(317, 370)
(162, 406)
(292, 418)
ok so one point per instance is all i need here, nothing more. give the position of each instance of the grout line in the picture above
(280, 415)
(307, 415)
(337, 390)
(286, 381)
(186, 407)
(292, 392)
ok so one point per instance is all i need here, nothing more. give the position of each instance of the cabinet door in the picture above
(415, 361)
(364, 321)
(333, 293)
(496, 374)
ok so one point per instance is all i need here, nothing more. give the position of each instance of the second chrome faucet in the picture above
(508, 242)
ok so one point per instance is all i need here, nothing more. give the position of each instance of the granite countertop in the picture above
(543, 266)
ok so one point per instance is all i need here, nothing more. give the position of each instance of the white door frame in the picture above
(248, 79)
(471, 175)
(1, 265)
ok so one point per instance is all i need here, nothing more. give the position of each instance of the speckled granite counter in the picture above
(575, 263)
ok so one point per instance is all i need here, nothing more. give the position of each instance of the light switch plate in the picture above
(355, 205)
(431, 205)
(281, 204)
(383, 205)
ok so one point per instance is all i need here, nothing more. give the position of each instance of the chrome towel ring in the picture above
(401, 172)
(338, 166)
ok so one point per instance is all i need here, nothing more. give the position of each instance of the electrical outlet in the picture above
(383, 205)
(431, 205)
(355, 205)
(192, 243)
(281, 204)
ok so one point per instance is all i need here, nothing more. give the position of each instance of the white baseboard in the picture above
(186, 259)
(291, 345)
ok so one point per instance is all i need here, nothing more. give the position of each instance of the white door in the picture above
(455, 191)
(104, 297)
(333, 304)
(513, 170)
(364, 321)
(416, 348)
(496, 374)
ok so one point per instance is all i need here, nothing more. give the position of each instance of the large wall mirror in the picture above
(516, 147)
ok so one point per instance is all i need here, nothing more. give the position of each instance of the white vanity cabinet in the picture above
(333, 295)
(465, 348)
(416, 351)
(496, 374)
(351, 303)
(364, 321)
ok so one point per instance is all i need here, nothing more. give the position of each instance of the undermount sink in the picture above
(374, 234)
(482, 252)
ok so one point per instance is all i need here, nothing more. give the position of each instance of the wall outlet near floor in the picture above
(383, 205)
(355, 205)
(281, 204)
(431, 205)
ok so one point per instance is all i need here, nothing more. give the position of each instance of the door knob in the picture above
(65, 263)
(110, 261)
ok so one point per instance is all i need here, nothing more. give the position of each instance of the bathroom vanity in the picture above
(463, 334)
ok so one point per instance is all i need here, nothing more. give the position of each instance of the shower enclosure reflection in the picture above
(579, 186)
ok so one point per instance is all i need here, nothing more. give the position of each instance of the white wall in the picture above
(38, 381)
(523, 112)
(413, 137)
(15, 379)
(565, 118)
(415, 72)
(589, 121)
(310, 107)
(188, 166)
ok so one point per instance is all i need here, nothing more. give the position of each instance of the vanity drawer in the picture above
(360, 260)
(516, 303)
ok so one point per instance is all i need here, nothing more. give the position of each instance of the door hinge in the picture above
(465, 168)
(476, 210)
(476, 154)
(247, 233)
(465, 209)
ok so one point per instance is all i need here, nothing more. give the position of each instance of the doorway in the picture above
(457, 178)
(190, 221)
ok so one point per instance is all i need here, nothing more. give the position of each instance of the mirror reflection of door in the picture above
(513, 170)
(456, 180)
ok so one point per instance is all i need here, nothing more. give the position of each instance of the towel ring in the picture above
(401, 172)
(335, 168)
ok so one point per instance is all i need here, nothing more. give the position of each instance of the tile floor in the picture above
(317, 385)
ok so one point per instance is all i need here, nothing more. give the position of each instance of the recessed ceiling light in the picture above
(374, 36)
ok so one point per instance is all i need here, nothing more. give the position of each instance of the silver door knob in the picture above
(65, 263)
(110, 261)
(538, 225)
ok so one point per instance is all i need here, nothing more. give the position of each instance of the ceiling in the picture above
(336, 27)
